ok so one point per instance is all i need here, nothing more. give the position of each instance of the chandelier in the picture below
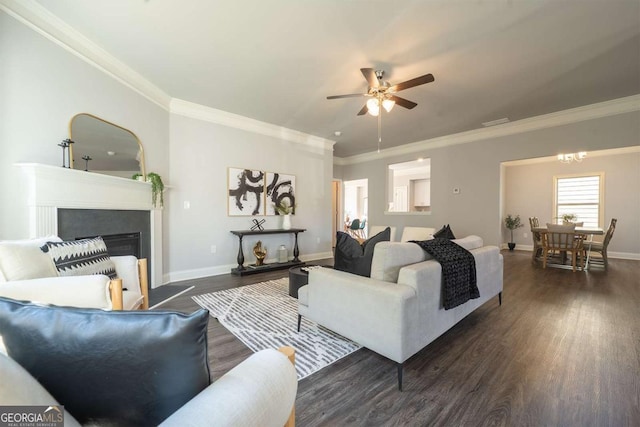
(572, 157)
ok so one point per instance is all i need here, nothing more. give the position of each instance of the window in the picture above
(580, 195)
(409, 187)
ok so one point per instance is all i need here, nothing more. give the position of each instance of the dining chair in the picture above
(354, 227)
(537, 239)
(562, 238)
(602, 247)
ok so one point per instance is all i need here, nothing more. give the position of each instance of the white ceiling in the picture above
(277, 60)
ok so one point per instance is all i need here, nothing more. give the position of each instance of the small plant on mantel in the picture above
(157, 187)
(512, 223)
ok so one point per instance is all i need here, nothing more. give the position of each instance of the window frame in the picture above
(601, 190)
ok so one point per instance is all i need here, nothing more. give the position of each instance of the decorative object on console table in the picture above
(241, 270)
(280, 194)
(283, 254)
(260, 253)
(246, 188)
(284, 208)
(512, 223)
(257, 225)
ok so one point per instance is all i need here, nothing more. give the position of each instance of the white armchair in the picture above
(27, 273)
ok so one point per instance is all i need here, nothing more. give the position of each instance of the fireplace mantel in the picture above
(51, 187)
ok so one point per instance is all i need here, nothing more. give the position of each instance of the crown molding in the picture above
(39, 19)
(574, 115)
(212, 115)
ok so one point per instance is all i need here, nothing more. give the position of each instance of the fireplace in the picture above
(125, 232)
(120, 244)
(72, 203)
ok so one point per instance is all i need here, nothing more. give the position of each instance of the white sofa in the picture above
(417, 233)
(259, 391)
(398, 310)
(28, 274)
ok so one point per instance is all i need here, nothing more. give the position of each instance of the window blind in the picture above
(579, 196)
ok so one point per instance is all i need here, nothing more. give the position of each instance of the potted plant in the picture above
(512, 223)
(284, 208)
(568, 218)
(157, 187)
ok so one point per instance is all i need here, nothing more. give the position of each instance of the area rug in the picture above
(265, 316)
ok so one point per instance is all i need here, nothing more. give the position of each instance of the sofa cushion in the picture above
(390, 257)
(23, 259)
(470, 242)
(81, 257)
(353, 257)
(110, 368)
(417, 233)
(445, 232)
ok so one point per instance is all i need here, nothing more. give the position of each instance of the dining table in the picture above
(590, 231)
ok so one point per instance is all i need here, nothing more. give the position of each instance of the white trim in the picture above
(590, 154)
(212, 115)
(611, 255)
(41, 20)
(198, 273)
(574, 115)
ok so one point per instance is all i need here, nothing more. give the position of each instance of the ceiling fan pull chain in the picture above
(379, 129)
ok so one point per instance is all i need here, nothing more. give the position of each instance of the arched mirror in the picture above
(103, 147)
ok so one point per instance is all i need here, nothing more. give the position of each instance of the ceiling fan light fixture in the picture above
(373, 106)
(388, 104)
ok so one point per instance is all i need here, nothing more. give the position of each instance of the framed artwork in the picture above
(245, 192)
(280, 189)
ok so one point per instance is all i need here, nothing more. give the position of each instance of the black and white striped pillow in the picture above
(81, 257)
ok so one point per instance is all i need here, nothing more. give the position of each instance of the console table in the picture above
(241, 270)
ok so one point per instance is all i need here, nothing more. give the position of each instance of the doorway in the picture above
(356, 203)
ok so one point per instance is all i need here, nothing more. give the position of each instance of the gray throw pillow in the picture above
(110, 368)
(444, 233)
(352, 257)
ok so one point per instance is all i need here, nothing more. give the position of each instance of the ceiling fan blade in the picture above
(403, 102)
(351, 95)
(370, 75)
(427, 78)
(363, 111)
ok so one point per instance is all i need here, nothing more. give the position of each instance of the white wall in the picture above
(529, 192)
(41, 87)
(201, 152)
(475, 168)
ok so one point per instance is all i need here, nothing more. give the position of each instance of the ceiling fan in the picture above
(382, 94)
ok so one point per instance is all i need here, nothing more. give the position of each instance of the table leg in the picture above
(240, 255)
(296, 251)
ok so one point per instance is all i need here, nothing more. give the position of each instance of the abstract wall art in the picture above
(280, 190)
(246, 192)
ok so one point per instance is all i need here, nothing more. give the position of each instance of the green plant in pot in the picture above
(157, 187)
(512, 223)
(568, 218)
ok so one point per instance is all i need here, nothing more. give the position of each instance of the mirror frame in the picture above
(141, 161)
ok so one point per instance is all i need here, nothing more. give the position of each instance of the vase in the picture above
(511, 246)
(286, 222)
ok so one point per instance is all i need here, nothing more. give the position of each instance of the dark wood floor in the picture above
(562, 350)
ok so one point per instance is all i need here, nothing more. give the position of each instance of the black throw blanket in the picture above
(459, 283)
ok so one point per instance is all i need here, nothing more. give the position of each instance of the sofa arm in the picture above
(259, 391)
(74, 291)
(371, 312)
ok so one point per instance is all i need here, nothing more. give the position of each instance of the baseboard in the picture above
(179, 276)
(612, 255)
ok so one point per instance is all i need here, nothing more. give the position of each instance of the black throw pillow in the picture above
(445, 233)
(110, 368)
(352, 257)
